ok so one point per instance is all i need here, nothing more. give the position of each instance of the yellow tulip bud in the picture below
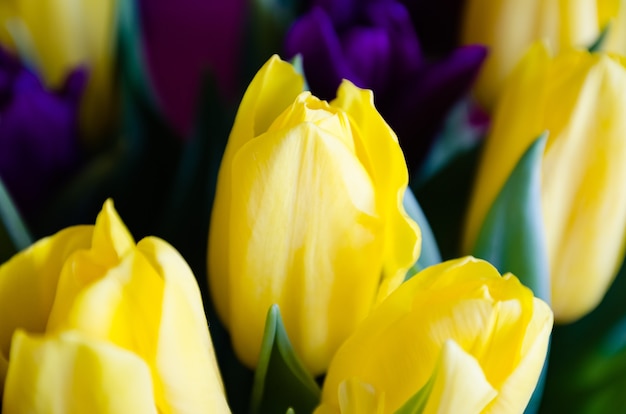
(59, 35)
(475, 339)
(308, 215)
(94, 323)
(578, 98)
(509, 27)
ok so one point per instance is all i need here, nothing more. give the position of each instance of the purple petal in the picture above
(369, 53)
(341, 12)
(314, 37)
(394, 18)
(38, 137)
(184, 37)
(72, 89)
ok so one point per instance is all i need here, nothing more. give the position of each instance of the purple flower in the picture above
(373, 44)
(182, 38)
(38, 132)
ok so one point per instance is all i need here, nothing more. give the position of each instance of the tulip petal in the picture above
(73, 374)
(517, 389)
(585, 215)
(383, 158)
(185, 364)
(28, 284)
(493, 318)
(271, 91)
(458, 384)
(121, 305)
(357, 397)
(308, 251)
(111, 238)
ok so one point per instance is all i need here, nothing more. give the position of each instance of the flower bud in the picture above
(94, 323)
(577, 98)
(466, 338)
(308, 215)
(509, 27)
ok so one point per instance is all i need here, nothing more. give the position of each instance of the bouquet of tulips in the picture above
(376, 206)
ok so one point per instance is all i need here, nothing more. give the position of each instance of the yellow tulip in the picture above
(509, 27)
(59, 35)
(93, 323)
(578, 98)
(308, 215)
(475, 339)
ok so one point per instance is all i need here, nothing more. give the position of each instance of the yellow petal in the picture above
(271, 91)
(357, 397)
(73, 374)
(186, 368)
(584, 210)
(28, 284)
(123, 306)
(459, 384)
(492, 318)
(111, 238)
(378, 150)
(517, 389)
(509, 27)
(312, 248)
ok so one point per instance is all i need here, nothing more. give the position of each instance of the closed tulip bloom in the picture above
(94, 323)
(308, 215)
(476, 340)
(509, 27)
(578, 98)
(57, 36)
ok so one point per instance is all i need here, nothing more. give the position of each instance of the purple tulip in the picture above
(39, 142)
(373, 44)
(182, 39)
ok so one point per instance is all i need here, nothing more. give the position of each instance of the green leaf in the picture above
(14, 236)
(430, 252)
(131, 51)
(512, 237)
(281, 382)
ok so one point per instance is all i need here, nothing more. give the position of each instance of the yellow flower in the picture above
(93, 323)
(578, 98)
(475, 339)
(509, 27)
(59, 35)
(308, 215)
